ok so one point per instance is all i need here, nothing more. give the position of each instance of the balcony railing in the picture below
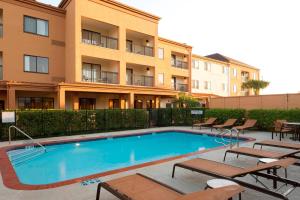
(102, 77)
(1, 30)
(245, 78)
(180, 87)
(1, 72)
(139, 49)
(141, 80)
(94, 38)
(179, 64)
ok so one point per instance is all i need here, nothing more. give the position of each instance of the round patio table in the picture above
(296, 126)
(217, 183)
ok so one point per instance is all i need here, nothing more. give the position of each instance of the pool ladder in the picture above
(32, 150)
(227, 138)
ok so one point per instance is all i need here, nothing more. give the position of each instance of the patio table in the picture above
(296, 126)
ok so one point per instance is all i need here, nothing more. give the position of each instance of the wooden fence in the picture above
(276, 101)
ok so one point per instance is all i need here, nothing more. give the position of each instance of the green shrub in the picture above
(265, 118)
(224, 114)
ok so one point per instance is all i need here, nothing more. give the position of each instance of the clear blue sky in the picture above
(263, 33)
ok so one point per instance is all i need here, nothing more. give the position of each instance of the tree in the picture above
(186, 101)
(256, 85)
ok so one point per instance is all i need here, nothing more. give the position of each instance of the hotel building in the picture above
(93, 54)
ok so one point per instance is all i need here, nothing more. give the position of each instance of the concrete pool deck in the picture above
(184, 180)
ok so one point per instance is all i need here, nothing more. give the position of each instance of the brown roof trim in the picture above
(204, 95)
(63, 3)
(174, 42)
(37, 5)
(209, 59)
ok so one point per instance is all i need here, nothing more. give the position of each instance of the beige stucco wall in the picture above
(278, 101)
(16, 43)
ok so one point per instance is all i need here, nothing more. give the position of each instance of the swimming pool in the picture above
(73, 160)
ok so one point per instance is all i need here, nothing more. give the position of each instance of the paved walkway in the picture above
(185, 181)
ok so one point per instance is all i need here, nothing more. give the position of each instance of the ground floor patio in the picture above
(184, 180)
(21, 95)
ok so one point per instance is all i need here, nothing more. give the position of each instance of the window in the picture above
(196, 64)
(234, 72)
(35, 103)
(161, 79)
(91, 72)
(36, 26)
(234, 88)
(207, 66)
(195, 84)
(114, 104)
(224, 87)
(87, 103)
(36, 64)
(207, 85)
(254, 76)
(90, 37)
(161, 53)
(225, 70)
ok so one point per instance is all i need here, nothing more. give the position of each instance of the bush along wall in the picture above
(224, 114)
(50, 123)
(265, 118)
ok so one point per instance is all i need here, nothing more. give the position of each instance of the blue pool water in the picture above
(73, 160)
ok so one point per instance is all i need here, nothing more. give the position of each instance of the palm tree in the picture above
(186, 101)
(256, 85)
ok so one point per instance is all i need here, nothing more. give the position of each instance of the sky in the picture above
(262, 33)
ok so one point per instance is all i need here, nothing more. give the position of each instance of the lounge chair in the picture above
(279, 144)
(228, 124)
(224, 171)
(209, 123)
(258, 153)
(250, 123)
(140, 187)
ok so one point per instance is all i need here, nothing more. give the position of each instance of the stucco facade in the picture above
(87, 54)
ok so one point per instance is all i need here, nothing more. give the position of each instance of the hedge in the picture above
(224, 114)
(49, 123)
(265, 118)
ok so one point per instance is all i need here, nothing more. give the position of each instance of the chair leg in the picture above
(272, 135)
(98, 191)
(225, 156)
(173, 172)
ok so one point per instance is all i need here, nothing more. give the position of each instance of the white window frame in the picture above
(161, 53)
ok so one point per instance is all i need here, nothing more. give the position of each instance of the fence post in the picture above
(135, 117)
(149, 118)
(171, 117)
(86, 122)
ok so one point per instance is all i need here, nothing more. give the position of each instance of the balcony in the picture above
(99, 33)
(139, 49)
(100, 70)
(101, 77)
(94, 38)
(245, 76)
(139, 43)
(179, 64)
(141, 80)
(139, 75)
(180, 87)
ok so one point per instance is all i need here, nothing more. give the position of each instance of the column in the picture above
(131, 100)
(61, 98)
(11, 98)
(75, 101)
(122, 102)
(157, 102)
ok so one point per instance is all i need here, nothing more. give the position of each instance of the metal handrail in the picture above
(223, 141)
(19, 130)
